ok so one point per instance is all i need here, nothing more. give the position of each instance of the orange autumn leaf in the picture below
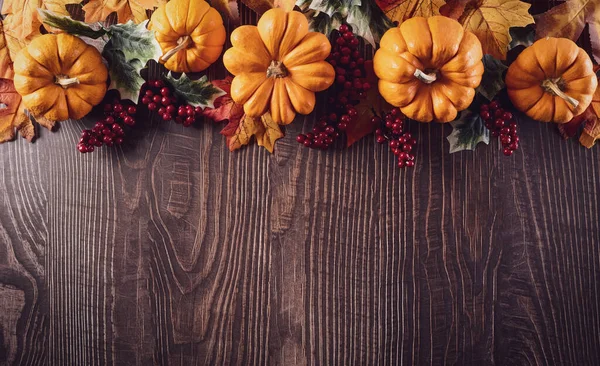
(99, 10)
(569, 19)
(11, 43)
(24, 16)
(490, 21)
(12, 115)
(401, 10)
(264, 129)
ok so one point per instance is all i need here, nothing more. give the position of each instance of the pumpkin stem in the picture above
(182, 42)
(551, 86)
(277, 70)
(65, 81)
(425, 77)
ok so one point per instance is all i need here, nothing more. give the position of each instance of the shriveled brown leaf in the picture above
(490, 21)
(569, 19)
(99, 10)
(590, 133)
(259, 6)
(596, 97)
(264, 129)
(401, 10)
(12, 114)
(228, 9)
(570, 129)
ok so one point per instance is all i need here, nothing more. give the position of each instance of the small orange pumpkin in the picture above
(429, 68)
(278, 65)
(553, 80)
(190, 33)
(60, 77)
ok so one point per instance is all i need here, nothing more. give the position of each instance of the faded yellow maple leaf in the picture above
(25, 18)
(11, 43)
(568, 20)
(402, 10)
(490, 21)
(264, 129)
(99, 10)
(12, 115)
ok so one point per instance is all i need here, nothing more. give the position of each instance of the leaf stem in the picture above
(425, 77)
(182, 42)
(551, 86)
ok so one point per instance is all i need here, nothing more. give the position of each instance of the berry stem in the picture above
(551, 86)
(182, 42)
(425, 77)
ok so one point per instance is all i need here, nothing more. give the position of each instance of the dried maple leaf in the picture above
(596, 98)
(11, 43)
(24, 16)
(12, 114)
(570, 129)
(568, 20)
(264, 129)
(99, 10)
(590, 133)
(225, 108)
(259, 6)
(401, 10)
(490, 21)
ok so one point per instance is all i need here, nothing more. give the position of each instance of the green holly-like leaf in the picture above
(130, 47)
(467, 132)
(492, 81)
(366, 19)
(135, 41)
(199, 93)
(71, 26)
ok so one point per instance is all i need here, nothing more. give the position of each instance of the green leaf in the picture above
(366, 19)
(135, 41)
(467, 132)
(71, 26)
(124, 75)
(492, 81)
(130, 47)
(199, 92)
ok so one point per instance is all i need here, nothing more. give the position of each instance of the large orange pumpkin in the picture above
(429, 68)
(60, 77)
(278, 65)
(553, 80)
(190, 33)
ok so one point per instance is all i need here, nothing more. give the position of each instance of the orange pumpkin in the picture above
(278, 65)
(429, 68)
(60, 77)
(190, 33)
(553, 80)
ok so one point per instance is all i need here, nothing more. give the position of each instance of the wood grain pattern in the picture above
(171, 250)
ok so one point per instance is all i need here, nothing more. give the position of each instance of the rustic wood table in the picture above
(171, 250)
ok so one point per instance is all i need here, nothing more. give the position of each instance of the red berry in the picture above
(354, 42)
(340, 79)
(108, 107)
(170, 109)
(485, 115)
(347, 85)
(198, 110)
(162, 110)
(348, 36)
(158, 84)
(380, 139)
(165, 101)
(307, 143)
(484, 108)
(407, 136)
(301, 138)
(505, 139)
(343, 28)
(182, 112)
(167, 117)
(189, 120)
(499, 113)
(401, 163)
(410, 163)
(394, 144)
(129, 120)
(357, 73)
(342, 126)
(82, 148)
(118, 140)
(146, 100)
(403, 155)
(505, 131)
(93, 141)
(407, 148)
(499, 123)
(131, 110)
(494, 104)
(344, 59)
(165, 92)
(507, 151)
(514, 145)
(507, 116)
(413, 142)
(156, 99)
(352, 112)
(346, 51)
(345, 118)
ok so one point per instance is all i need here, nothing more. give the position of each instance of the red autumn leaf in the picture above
(363, 126)
(570, 129)
(225, 107)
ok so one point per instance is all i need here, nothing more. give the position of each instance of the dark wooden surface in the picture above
(171, 250)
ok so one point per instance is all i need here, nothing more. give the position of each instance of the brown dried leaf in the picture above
(401, 10)
(270, 133)
(228, 9)
(490, 21)
(99, 10)
(12, 114)
(264, 128)
(568, 20)
(590, 133)
(259, 6)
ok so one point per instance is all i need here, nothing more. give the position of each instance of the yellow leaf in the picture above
(12, 115)
(264, 128)
(402, 10)
(590, 133)
(490, 21)
(568, 20)
(99, 10)
(270, 133)
(11, 43)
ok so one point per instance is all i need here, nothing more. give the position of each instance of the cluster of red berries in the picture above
(392, 130)
(157, 96)
(502, 124)
(108, 131)
(350, 86)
